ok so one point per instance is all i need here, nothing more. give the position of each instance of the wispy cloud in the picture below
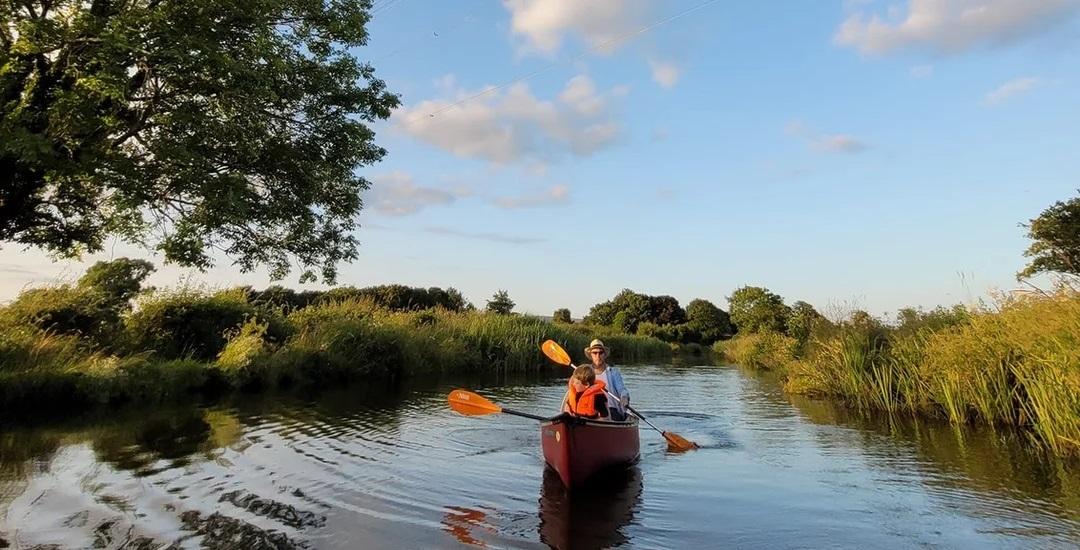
(950, 26)
(1010, 89)
(512, 125)
(556, 195)
(664, 73)
(19, 271)
(826, 143)
(921, 71)
(492, 237)
(397, 194)
(601, 24)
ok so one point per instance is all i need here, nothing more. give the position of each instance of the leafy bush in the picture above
(194, 323)
(756, 309)
(708, 321)
(245, 352)
(760, 350)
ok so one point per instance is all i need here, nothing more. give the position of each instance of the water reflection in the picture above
(377, 466)
(986, 472)
(466, 524)
(591, 516)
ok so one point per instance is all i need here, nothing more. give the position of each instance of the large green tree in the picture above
(116, 281)
(625, 311)
(801, 320)
(188, 126)
(756, 309)
(708, 321)
(500, 303)
(665, 310)
(561, 315)
(1056, 236)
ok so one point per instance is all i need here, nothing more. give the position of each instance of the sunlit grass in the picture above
(1017, 364)
(184, 341)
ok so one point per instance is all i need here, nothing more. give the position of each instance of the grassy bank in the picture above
(61, 349)
(1014, 364)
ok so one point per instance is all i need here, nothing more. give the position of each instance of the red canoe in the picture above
(580, 448)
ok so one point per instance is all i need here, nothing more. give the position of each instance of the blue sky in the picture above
(849, 153)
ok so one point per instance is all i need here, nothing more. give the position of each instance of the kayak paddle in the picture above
(472, 404)
(676, 442)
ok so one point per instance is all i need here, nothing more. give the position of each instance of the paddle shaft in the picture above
(637, 414)
(526, 415)
(643, 419)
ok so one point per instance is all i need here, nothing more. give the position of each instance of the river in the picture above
(376, 467)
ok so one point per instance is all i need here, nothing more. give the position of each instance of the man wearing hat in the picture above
(597, 353)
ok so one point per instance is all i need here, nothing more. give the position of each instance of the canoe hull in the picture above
(576, 450)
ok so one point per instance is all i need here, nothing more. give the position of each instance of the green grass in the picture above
(179, 343)
(1017, 364)
(762, 350)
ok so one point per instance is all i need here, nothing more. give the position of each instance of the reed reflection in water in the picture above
(392, 467)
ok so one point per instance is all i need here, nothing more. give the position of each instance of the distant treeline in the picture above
(107, 339)
(393, 297)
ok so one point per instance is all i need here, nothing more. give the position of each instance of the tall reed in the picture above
(1017, 364)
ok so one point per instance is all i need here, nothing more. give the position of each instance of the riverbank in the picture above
(180, 343)
(1016, 363)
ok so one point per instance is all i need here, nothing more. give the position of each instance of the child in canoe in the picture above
(585, 396)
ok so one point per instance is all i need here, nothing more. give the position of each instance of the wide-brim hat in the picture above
(597, 344)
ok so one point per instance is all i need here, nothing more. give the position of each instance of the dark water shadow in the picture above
(590, 516)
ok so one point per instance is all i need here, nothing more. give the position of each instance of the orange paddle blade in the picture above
(677, 442)
(471, 404)
(555, 352)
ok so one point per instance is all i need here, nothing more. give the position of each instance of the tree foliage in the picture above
(92, 308)
(561, 315)
(116, 281)
(910, 321)
(665, 310)
(628, 309)
(708, 321)
(188, 127)
(802, 320)
(1056, 236)
(392, 297)
(500, 303)
(756, 309)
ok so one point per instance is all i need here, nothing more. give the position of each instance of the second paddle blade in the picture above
(555, 352)
(677, 442)
(471, 404)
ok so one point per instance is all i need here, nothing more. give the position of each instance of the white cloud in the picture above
(601, 24)
(664, 73)
(580, 95)
(951, 25)
(492, 237)
(558, 194)
(826, 143)
(1011, 88)
(922, 71)
(511, 126)
(396, 194)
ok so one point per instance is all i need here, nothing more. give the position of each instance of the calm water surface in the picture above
(395, 468)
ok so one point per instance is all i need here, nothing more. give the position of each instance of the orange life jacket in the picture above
(584, 403)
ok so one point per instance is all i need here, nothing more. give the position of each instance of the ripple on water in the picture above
(390, 472)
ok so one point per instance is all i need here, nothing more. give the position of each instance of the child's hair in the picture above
(585, 374)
